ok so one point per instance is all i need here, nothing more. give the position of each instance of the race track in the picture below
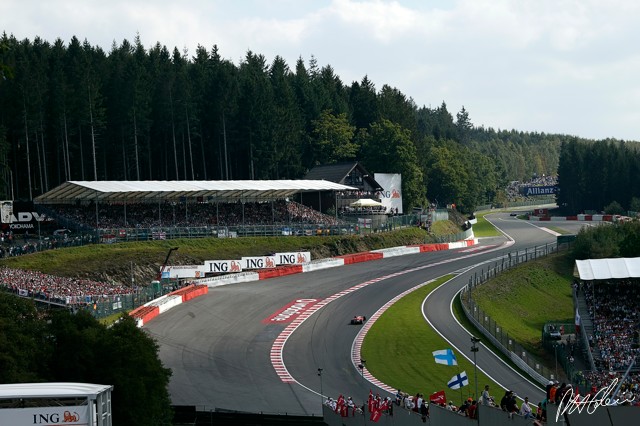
(219, 345)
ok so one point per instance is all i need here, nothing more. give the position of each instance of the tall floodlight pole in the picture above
(474, 349)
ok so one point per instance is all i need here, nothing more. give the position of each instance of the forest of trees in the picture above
(603, 175)
(608, 241)
(60, 346)
(71, 111)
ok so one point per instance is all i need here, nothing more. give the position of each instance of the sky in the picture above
(553, 66)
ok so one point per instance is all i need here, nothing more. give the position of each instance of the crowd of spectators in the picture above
(514, 189)
(16, 245)
(65, 290)
(173, 214)
(613, 308)
(420, 405)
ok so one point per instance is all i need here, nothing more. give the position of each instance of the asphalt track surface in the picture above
(218, 346)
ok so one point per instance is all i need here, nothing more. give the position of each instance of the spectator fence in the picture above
(506, 343)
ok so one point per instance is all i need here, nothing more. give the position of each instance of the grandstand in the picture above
(608, 303)
(151, 209)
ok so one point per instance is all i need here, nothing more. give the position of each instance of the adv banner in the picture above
(184, 271)
(69, 415)
(391, 194)
(293, 258)
(260, 262)
(222, 266)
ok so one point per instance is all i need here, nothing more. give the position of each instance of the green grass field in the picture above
(398, 350)
(484, 228)
(523, 299)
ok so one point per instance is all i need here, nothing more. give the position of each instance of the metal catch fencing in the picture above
(493, 331)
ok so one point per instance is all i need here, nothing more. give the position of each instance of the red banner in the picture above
(438, 398)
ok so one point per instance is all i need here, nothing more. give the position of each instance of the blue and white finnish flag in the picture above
(458, 381)
(445, 356)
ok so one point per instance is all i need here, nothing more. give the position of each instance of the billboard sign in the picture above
(391, 194)
(531, 191)
(293, 258)
(222, 266)
(259, 262)
(61, 415)
(17, 216)
(184, 271)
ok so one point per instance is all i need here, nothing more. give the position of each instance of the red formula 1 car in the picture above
(358, 319)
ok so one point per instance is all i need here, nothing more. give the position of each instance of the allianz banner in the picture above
(391, 194)
(530, 191)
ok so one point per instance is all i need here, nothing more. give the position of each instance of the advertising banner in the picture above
(184, 271)
(530, 191)
(260, 262)
(71, 415)
(222, 266)
(293, 258)
(20, 217)
(391, 194)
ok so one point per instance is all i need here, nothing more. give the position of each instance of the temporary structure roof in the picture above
(604, 269)
(52, 390)
(141, 191)
(366, 202)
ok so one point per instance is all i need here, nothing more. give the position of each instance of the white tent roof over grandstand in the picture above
(605, 269)
(52, 390)
(140, 191)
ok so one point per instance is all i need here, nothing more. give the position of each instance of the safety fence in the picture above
(506, 343)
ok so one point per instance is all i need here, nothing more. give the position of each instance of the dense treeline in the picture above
(606, 241)
(59, 346)
(73, 112)
(599, 176)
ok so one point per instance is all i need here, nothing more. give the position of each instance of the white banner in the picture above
(185, 271)
(364, 223)
(391, 194)
(293, 258)
(6, 211)
(72, 415)
(260, 262)
(222, 266)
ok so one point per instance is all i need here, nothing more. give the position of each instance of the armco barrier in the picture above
(164, 303)
(149, 311)
(279, 272)
(169, 302)
(145, 314)
(193, 292)
(360, 257)
(316, 265)
(397, 251)
(242, 277)
(433, 247)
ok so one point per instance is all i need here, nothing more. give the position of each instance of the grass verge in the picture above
(398, 351)
(523, 299)
(484, 228)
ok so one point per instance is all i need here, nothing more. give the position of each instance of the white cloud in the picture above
(548, 65)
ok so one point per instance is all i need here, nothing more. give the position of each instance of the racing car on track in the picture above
(358, 319)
